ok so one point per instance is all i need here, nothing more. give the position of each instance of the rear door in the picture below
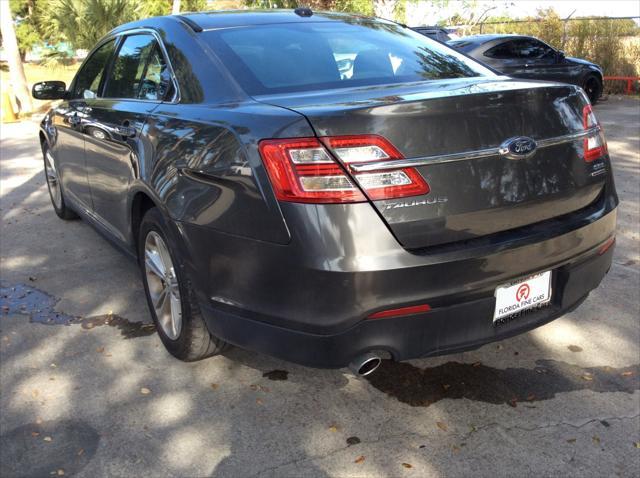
(136, 83)
(70, 121)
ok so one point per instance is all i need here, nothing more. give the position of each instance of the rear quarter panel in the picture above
(204, 166)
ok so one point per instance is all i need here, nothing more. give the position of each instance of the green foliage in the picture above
(84, 22)
(362, 7)
(156, 8)
(28, 26)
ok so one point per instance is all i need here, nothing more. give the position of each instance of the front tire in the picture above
(54, 185)
(170, 295)
(592, 86)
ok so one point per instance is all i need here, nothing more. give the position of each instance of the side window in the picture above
(531, 49)
(156, 81)
(87, 82)
(502, 51)
(125, 78)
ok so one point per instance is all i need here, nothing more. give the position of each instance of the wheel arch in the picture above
(141, 202)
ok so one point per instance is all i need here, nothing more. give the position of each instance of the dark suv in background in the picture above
(417, 204)
(527, 57)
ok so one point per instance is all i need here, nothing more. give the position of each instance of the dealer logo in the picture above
(523, 292)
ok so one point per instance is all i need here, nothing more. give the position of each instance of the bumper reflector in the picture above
(401, 312)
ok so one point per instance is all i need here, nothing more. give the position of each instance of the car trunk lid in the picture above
(451, 130)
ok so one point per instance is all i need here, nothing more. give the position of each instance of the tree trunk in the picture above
(16, 71)
(176, 7)
(384, 8)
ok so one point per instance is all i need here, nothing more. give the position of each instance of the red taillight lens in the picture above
(387, 184)
(303, 170)
(595, 146)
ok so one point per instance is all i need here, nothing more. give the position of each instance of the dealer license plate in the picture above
(523, 294)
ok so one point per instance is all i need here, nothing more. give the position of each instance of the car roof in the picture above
(487, 37)
(235, 18)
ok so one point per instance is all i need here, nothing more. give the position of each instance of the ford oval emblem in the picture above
(521, 147)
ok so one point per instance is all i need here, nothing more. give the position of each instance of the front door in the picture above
(70, 120)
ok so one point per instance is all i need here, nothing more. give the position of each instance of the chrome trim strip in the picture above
(467, 155)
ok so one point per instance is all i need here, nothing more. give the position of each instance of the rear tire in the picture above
(54, 185)
(592, 86)
(170, 295)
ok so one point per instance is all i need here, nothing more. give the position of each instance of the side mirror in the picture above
(560, 55)
(49, 90)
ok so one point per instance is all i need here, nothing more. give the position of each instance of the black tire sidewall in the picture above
(598, 91)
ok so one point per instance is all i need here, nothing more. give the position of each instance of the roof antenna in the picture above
(303, 12)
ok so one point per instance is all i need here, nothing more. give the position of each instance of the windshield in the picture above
(281, 58)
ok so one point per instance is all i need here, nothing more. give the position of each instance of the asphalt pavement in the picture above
(86, 388)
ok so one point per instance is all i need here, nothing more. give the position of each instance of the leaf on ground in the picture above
(333, 428)
(145, 391)
(442, 426)
(35, 434)
(80, 452)
(407, 465)
(595, 438)
(628, 373)
(574, 348)
(637, 444)
(259, 401)
(477, 364)
(100, 350)
(360, 459)
(531, 398)
(446, 386)
(60, 472)
(571, 440)
(353, 441)
(253, 387)
(47, 439)
(513, 402)
(455, 448)
(588, 377)
(215, 386)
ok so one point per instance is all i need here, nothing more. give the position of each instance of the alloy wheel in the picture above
(163, 285)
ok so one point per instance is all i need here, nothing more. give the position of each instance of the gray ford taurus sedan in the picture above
(330, 189)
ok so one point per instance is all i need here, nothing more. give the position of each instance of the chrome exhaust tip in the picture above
(365, 364)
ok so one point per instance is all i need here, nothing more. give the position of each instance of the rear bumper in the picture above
(307, 301)
(443, 330)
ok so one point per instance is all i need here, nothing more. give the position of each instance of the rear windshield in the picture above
(281, 58)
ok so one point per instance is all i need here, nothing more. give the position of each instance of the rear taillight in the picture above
(303, 170)
(594, 146)
(388, 184)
